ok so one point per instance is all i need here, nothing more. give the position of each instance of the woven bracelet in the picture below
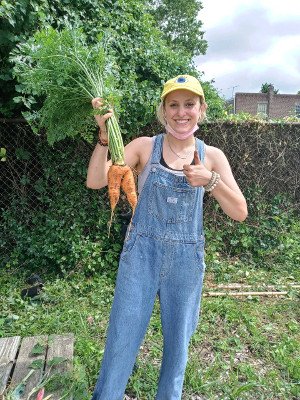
(104, 144)
(211, 181)
(214, 180)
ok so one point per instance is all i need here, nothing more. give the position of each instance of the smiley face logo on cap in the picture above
(181, 79)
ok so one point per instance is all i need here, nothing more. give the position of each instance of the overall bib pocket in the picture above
(172, 204)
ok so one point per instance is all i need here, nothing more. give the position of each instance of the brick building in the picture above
(270, 104)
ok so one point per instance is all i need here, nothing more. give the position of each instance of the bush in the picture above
(270, 235)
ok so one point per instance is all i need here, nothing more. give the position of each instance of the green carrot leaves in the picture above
(61, 73)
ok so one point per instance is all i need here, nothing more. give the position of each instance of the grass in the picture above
(244, 348)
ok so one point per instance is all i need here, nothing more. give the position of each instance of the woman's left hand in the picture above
(197, 174)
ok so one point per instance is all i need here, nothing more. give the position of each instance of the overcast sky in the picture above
(251, 42)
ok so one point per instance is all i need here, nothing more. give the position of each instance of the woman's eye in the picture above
(173, 105)
(190, 105)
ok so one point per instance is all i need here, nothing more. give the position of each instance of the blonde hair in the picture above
(160, 114)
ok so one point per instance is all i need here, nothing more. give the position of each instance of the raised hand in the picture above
(97, 102)
(197, 174)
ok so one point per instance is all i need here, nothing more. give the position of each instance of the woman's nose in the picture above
(181, 111)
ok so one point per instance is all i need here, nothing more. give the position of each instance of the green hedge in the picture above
(51, 221)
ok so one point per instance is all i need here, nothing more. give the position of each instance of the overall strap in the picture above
(157, 149)
(201, 149)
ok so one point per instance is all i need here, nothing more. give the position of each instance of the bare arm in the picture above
(98, 168)
(227, 193)
(99, 165)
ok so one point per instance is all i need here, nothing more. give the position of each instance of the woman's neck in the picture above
(180, 144)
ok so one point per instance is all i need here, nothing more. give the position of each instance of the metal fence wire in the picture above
(21, 167)
(32, 173)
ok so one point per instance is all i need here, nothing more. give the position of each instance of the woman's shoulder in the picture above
(140, 143)
(138, 151)
(213, 151)
(214, 156)
(142, 140)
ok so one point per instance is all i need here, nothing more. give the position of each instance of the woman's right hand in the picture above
(97, 102)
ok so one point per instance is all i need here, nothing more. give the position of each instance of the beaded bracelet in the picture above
(215, 184)
(214, 180)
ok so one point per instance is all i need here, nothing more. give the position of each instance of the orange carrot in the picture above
(120, 176)
(114, 179)
(128, 186)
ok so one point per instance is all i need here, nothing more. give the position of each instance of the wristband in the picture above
(104, 144)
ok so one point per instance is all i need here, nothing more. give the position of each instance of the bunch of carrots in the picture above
(69, 73)
(119, 175)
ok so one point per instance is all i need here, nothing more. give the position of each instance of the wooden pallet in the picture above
(16, 358)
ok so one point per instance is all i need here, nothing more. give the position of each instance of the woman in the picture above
(163, 251)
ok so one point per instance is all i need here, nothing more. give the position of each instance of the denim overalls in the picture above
(162, 254)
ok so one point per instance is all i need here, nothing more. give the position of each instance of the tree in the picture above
(265, 87)
(180, 24)
(135, 38)
(144, 55)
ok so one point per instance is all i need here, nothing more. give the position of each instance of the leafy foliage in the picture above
(144, 57)
(55, 223)
(50, 220)
(180, 24)
(216, 104)
(59, 68)
(265, 87)
(268, 237)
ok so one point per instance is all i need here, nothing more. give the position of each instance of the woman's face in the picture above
(182, 110)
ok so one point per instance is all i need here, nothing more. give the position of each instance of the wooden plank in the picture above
(25, 358)
(233, 286)
(217, 294)
(60, 346)
(8, 351)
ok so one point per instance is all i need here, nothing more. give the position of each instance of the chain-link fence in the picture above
(47, 213)
(48, 218)
(23, 165)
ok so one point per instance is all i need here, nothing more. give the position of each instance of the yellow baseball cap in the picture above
(187, 82)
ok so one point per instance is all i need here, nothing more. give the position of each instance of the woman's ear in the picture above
(203, 107)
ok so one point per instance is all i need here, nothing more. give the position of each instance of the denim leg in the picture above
(179, 294)
(133, 303)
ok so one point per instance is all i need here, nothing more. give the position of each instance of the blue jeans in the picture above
(163, 255)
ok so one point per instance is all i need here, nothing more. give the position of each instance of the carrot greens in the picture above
(59, 75)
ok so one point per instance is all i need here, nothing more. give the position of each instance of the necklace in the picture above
(176, 154)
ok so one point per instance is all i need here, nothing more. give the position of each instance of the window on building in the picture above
(297, 110)
(262, 108)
